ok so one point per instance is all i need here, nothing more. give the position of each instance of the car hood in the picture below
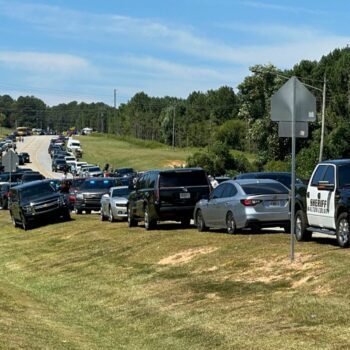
(119, 200)
(40, 199)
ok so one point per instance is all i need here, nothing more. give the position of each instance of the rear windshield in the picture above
(38, 190)
(266, 188)
(176, 179)
(98, 184)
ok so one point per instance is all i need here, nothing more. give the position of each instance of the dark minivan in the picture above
(161, 195)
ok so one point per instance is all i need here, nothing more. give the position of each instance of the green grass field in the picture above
(138, 154)
(87, 284)
(141, 155)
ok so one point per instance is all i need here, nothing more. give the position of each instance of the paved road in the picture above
(37, 147)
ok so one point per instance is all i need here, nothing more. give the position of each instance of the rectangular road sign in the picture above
(301, 129)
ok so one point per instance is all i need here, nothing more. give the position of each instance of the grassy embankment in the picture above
(85, 284)
(139, 154)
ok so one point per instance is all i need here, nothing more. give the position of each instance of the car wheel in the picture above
(110, 215)
(88, 211)
(286, 228)
(66, 215)
(200, 221)
(14, 222)
(78, 211)
(301, 234)
(230, 223)
(150, 224)
(25, 224)
(185, 222)
(102, 216)
(131, 221)
(343, 234)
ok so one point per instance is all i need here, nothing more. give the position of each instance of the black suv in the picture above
(88, 195)
(36, 200)
(167, 195)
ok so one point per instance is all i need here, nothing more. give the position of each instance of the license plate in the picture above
(185, 195)
(274, 204)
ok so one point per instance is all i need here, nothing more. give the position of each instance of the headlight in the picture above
(80, 196)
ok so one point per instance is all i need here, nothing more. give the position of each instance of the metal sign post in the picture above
(293, 106)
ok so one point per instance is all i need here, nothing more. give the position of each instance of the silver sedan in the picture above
(114, 204)
(237, 204)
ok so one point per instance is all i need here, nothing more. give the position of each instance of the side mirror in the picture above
(325, 186)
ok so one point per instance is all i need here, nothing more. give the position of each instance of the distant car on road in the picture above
(237, 204)
(114, 204)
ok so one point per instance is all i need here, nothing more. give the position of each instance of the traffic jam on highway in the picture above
(249, 201)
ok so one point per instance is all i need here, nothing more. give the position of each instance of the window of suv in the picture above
(183, 178)
(37, 190)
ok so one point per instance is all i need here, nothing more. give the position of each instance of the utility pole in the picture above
(174, 127)
(323, 117)
(115, 98)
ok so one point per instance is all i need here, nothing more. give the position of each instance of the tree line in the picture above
(216, 120)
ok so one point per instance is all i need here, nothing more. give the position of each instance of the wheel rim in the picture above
(343, 231)
(199, 220)
(298, 226)
(146, 218)
(230, 222)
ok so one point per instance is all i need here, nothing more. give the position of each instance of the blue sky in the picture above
(64, 50)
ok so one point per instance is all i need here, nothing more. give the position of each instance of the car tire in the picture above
(150, 224)
(25, 224)
(88, 211)
(343, 234)
(185, 222)
(230, 223)
(131, 221)
(14, 222)
(110, 215)
(66, 215)
(200, 223)
(78, 211)
(300, 229)
(102, 216)
(286, 228)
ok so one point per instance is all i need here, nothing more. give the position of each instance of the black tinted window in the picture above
(329, 175)
(121, 192)
(344, 176)
(229, 191)
(266, 188)
(218, 191)
(178, 179)
(318, 176)
(38, 190)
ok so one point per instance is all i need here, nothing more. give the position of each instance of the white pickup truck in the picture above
(327, 204)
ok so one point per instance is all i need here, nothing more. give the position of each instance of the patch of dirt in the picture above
(186, 256)
(302, 271)
(175, 164)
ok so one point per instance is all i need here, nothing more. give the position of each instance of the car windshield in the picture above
(75, 144)
(60, 161)
(188, 178)
(70, 158)
(121, 192)
(37, 190)
(125, 171)
(264, 188)
(28, 178)
(97, 184)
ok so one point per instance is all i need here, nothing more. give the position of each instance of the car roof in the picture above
(119, 187)
(254, 181)
(32, 183)
(336, 161)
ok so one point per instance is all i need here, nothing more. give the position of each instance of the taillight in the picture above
(250, 202)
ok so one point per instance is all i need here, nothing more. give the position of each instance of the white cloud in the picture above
(43, 62)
